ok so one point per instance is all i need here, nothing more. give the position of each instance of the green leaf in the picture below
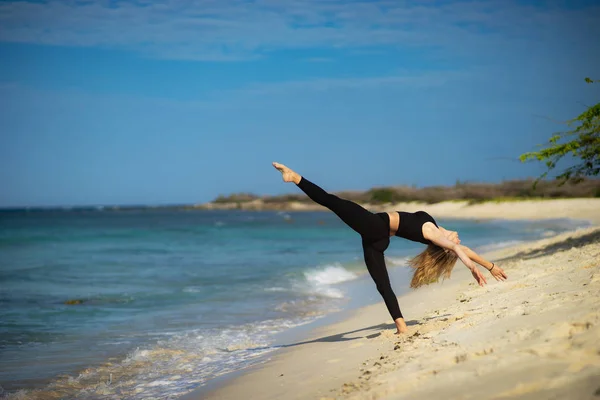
(582, 141)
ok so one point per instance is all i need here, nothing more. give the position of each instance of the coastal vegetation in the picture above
(472, 192)
(581, 143)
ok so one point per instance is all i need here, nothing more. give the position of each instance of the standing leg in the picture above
(375, 261)
(356, 217)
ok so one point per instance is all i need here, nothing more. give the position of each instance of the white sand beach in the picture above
(535, 336)
(585, 209)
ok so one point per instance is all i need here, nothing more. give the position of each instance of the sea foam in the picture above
(170, 367)
(330, 274)
(321, 280)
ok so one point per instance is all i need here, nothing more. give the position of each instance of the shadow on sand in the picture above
(592, 237)
(338, 337)
(341, 337)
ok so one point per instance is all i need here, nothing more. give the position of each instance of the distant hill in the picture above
(471, 192)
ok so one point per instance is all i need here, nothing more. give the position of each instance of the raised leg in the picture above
(356, 217)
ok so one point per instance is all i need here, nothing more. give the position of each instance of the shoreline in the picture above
(303, 332)
(333, 354)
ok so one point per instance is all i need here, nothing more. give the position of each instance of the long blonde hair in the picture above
(431, 264)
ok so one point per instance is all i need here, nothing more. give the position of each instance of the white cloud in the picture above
(222, 30)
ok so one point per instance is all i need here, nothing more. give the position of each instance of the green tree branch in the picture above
(582, 141)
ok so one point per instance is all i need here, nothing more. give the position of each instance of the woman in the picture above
(375, 230)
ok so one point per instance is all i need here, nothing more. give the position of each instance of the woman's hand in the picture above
(498, 273)
(478, 275)
(453, 236)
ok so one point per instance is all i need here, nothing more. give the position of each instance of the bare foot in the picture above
(287, 174)
(401, 326)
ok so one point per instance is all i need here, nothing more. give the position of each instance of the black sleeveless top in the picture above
(411, 226)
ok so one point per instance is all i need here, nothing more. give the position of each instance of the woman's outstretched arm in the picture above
(495, 270)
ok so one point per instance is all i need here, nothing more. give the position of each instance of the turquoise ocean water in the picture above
(170, 299)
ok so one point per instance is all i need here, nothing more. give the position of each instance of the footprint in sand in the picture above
(578, 327)
(565, 330)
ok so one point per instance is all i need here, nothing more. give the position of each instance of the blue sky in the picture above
(144, 102)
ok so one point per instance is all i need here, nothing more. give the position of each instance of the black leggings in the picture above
(374, 230)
